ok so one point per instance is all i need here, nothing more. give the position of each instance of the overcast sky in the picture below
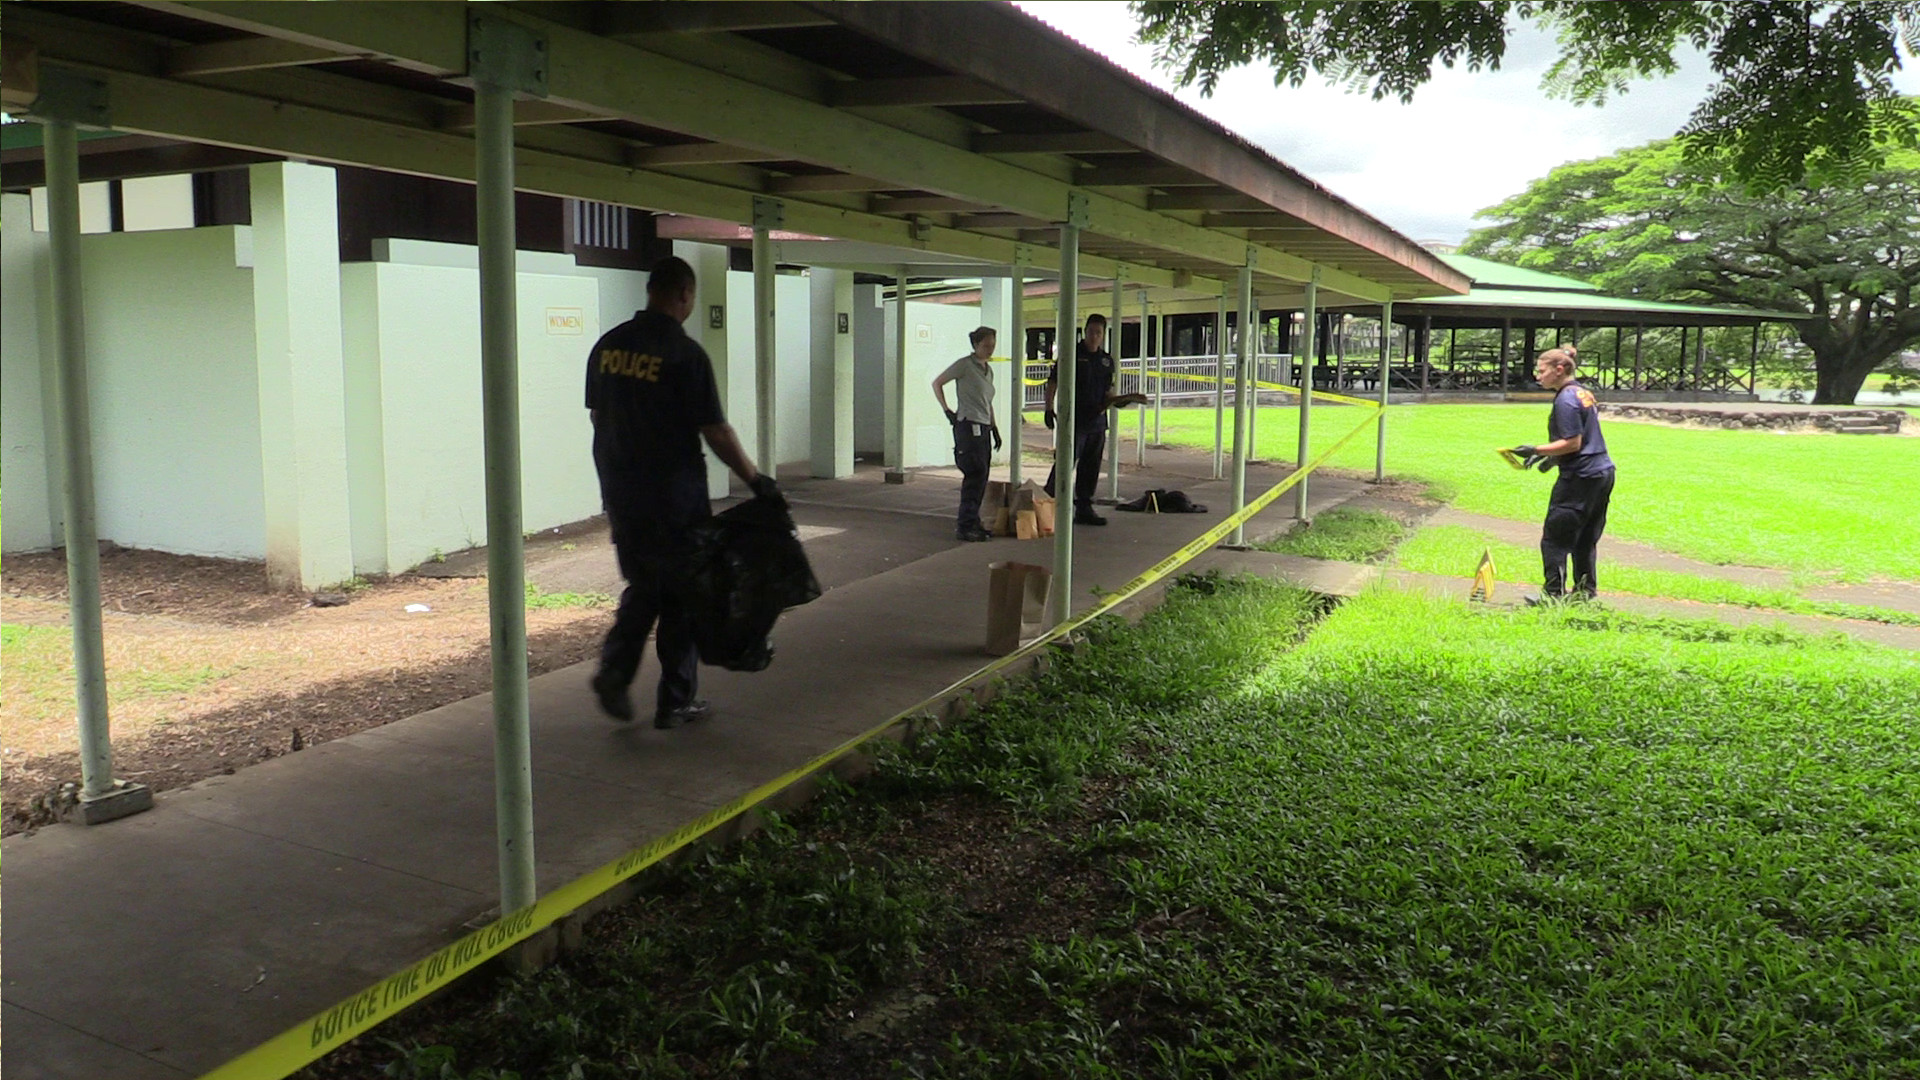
(1466, 142)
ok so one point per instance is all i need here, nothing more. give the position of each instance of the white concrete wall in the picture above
(31, 522)
(414, 378)
(175, 394)
(936, 337)
(792, 354)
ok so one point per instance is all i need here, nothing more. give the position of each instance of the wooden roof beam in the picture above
(1197, 199)
(927, 90)
(249, 54)
(705, 17)
(528, 113)
(1141, 176)
(1051, 142)
(794, 185)
(595, 73)
(700, 153)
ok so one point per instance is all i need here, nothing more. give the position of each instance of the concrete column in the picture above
(303, 419)
(708, 326)
(897, 442)
(830, 436)
(767, 214)
(32, 415)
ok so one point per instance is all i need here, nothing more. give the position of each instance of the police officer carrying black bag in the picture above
(651, 393)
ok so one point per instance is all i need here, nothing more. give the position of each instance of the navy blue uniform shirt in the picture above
(651, 388)
(1092, 381)
(1575, 413)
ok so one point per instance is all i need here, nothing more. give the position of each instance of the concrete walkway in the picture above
(162, 945)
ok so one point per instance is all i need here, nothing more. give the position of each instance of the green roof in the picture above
(1488, 274)
(1554, 296)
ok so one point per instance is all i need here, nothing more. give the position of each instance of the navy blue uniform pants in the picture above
(1088, 448)
(651, 541)
(1576, 516)
(973, 456)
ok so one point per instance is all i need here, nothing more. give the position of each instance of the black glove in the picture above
(952, 417)
(996, 436)
(1051, 418)
(1531, 458)
(764, 487)
(1546, 463)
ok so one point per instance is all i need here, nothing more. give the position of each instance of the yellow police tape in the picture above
(1319, 395)
(289, 1051)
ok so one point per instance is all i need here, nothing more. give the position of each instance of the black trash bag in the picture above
(745, 567)
(1164, 501)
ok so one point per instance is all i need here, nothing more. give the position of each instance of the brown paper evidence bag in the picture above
(1025, 512)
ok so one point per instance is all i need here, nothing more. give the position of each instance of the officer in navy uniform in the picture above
(1577, 509)
(651, 393)
(1092, 396)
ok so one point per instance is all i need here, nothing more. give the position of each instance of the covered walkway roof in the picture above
(965, 129)
(1532, 298)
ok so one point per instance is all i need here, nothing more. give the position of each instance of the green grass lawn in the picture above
(1813, 503)
(1452, 549)
(1426, 841)
(1344, 534)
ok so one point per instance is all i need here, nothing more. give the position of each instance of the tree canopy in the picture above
(1804, 90)
(1644, 222)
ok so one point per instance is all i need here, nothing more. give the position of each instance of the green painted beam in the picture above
(148, 105)
(601, 75)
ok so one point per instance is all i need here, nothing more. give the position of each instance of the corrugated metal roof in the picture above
(1489, 274)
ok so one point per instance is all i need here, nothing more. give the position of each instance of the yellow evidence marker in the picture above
(1483, 579)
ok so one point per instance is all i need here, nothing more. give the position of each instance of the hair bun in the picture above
(1572, 352)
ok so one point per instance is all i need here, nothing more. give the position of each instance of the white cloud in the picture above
(1466, 142)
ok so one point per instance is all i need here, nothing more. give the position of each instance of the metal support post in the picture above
(64, 99)
(1243, 360)
(1140, 418)
(1753, 361)
(768, 214)
(1256, 328)
(1311, 321)
(1065, 430)
(1219, 385)
(1699, 359)
(1426, 353)
(1160, 383)
(1386, 359)
(1506, 337)
(1639, 334)
(504, 58)
(1017, 354)
(1114, 339)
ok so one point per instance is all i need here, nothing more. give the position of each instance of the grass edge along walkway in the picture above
(1375, 854)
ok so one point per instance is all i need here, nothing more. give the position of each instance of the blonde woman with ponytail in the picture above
(1577, 509)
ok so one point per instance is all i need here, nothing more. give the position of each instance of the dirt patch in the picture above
(209, 670)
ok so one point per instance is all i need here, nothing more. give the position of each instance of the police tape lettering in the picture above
(291, 1050)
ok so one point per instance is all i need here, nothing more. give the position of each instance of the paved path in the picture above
(162, 945)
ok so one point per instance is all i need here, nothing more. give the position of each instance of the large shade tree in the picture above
(1645, 222)
(1804, 90)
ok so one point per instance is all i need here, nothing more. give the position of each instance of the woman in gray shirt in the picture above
(975, 434)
